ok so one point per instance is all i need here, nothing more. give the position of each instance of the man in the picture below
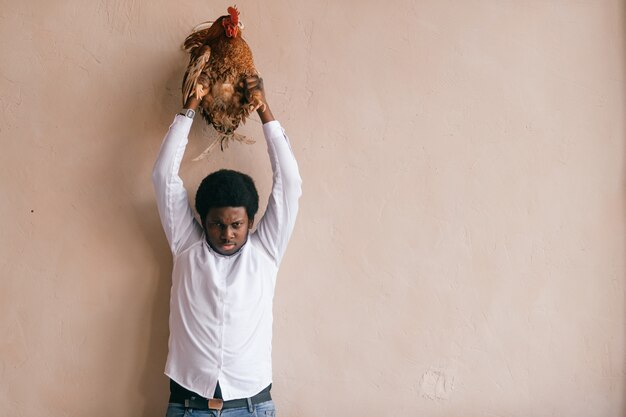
(224, 274)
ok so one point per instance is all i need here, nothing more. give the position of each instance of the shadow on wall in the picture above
(138, 142)
(153, 384)
(623, 68)
(623, 199)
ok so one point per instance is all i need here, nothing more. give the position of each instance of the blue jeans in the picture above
(264, 409)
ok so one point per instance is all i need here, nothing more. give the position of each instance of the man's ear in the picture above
(250, 223)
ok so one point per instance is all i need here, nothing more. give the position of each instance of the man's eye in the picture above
(236, 225)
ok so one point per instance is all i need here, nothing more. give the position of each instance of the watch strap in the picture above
(188, 113)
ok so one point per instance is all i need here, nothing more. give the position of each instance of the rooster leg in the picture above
(257, 105)
(199, 90)
(256, 102)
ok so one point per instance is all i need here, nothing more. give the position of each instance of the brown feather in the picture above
(196, 65)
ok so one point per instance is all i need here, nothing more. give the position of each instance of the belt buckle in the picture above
(216, 404)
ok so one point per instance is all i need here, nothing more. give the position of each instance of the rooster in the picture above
(220, 61)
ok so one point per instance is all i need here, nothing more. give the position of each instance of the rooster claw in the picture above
(199, 93)
(259, 105)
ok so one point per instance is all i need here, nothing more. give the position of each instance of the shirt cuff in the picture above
(181, 123)
(273, 129)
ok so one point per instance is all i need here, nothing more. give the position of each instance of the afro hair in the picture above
(227, 188)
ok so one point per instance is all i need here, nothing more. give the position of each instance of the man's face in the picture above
(227, 228)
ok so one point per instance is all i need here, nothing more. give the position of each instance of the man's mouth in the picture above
(228, 246)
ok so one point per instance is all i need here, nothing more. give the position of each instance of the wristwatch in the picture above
(188, 112)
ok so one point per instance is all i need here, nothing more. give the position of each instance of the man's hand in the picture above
(253, 87)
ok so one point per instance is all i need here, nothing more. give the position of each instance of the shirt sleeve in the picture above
(176, 215)
(276, 226)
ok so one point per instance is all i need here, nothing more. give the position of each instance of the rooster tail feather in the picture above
(242, 139)
(194, 39)
(202, 26)
(203, 35)
(208, 150)
(224, 140)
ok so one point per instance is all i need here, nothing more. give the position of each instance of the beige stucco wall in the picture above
(460, 246)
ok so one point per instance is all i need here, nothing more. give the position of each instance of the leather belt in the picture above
(200, 403)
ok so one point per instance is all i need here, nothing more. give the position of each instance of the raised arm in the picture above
(276, 226)
(176, 215)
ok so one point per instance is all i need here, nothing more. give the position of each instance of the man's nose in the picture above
(227, 233)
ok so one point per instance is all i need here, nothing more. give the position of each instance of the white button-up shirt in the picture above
(221, 306)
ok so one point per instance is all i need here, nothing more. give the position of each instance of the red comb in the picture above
(234, 14)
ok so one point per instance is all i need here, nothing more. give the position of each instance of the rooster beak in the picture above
(240, 24)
